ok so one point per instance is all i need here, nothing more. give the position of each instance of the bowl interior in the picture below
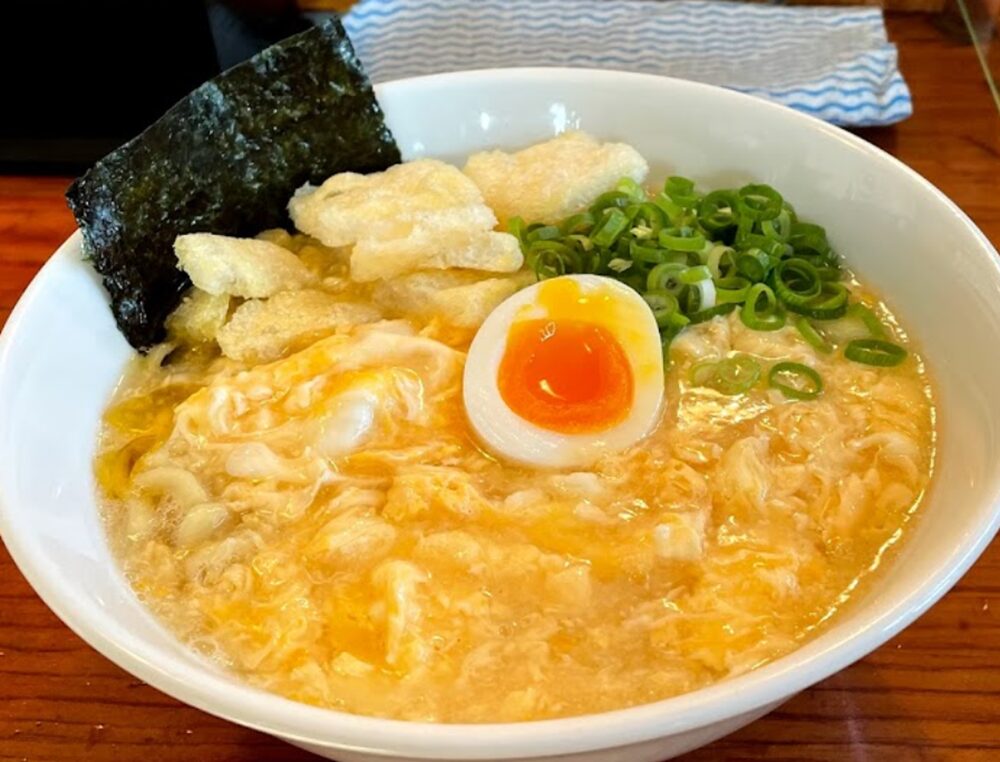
(61, 356)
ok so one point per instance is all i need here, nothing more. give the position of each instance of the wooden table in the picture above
(933, 693)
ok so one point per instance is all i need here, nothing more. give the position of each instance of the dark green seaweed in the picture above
(225, 159)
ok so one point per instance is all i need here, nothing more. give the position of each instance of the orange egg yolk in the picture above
(568, 376)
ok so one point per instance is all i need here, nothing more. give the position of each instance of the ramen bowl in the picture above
(61, 356)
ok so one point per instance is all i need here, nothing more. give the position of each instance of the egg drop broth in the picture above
(409, 574)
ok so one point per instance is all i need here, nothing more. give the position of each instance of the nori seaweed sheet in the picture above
(226, 159)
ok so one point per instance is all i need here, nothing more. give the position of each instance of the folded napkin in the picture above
(834, 63)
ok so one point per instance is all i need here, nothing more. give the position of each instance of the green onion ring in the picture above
(516, 227)
(753, 264)
(770, 246)
(577, 223)
(650, 215)
(630, 187)
(780, 228)
(707, 314)
(809, 239)
(610, 200)
(869, 318)
(737, 374)
(829, 305)
(543, 233)
(666, 309)
(876, 352)
(798, 371)
(731, 376)
(681, 239)
(549, 251)
(664, 277)
(610, 227)
(811, 335)
(647, 254)
(796, 282)
(759, 202)
(732, 290)
(665, 204)
(717, 211)
(694, 275)
(720, 257)
(681, 191)
(768, 318)
(546, 264)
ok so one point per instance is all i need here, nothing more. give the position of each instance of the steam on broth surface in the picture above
(297, 491)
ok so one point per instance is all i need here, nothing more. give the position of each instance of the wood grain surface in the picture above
(933, 693)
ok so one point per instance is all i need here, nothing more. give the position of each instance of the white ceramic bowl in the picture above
(60, 356)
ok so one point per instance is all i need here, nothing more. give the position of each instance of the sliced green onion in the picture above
(737, 374)
(759, 202)
(610, 200)
(542, 233)
(682, 239)
(546, 264)
(549, 252)
(664, 277)
(630, 187)
(771, 246)
(717, 211)
(650, 215)
(744, 228)
(721, 261)
(829, 305)
(796, 282)
(791, 211)
(807, 238)
(811, 335)
(695, 256)
(694, 275)
(666, 309)
(795, 380)
(733, 375)
(869, 318)
(610, 227)
(753, 265)
(877, 352)
(706, 287)
(577, 223)
(516, 227)
(647, 254)
(681, 191)
(707, 314)
(697, 297)
(580, 240)
(674, 212)
(762, 317)
(734, 289)
(780, 228)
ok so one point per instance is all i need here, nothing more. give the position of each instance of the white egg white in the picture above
(513, 438)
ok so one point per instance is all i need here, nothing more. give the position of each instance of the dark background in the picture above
(80, 78)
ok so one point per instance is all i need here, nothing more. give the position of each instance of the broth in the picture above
(417, 577)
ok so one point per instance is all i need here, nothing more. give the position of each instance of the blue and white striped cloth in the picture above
(834, 63)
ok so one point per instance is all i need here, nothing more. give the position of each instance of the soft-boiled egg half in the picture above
(565, 371)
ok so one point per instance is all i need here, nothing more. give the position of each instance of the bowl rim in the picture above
(309, 725)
